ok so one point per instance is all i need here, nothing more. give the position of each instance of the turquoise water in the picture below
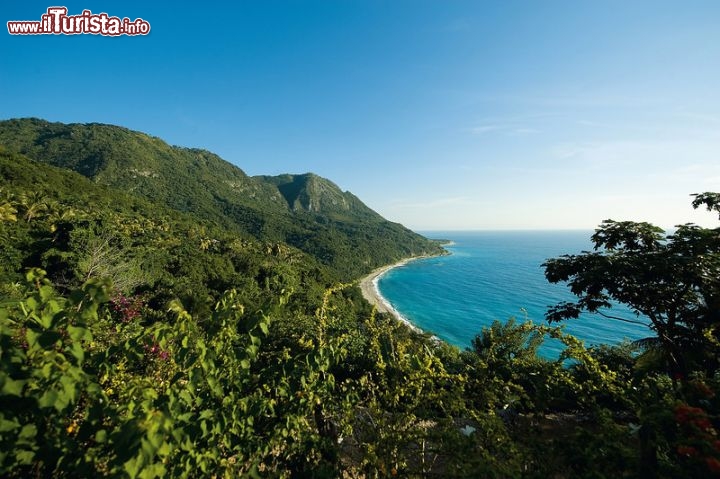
(495, 275)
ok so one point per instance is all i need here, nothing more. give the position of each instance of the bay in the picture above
(496, 275)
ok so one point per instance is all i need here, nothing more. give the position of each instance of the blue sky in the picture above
(437, 114)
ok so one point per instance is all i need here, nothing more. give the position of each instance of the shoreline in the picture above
(370, 291)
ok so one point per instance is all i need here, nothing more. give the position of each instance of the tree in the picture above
(673, 280)
(34, 204)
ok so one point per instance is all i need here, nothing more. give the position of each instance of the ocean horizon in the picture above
(496, 275)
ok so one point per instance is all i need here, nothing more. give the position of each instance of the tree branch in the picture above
(609, 316)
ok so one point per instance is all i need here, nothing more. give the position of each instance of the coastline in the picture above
(371, 292)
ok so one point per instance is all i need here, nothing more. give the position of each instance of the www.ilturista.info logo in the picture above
(57, 22)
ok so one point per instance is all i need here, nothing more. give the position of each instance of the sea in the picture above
(497, 275)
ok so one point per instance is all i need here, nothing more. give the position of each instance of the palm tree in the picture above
(8, 212)
(34, 204)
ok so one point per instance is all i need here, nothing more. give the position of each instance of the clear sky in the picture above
(437, 114)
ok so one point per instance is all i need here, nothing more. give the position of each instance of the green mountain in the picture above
(305, 211)
(313, 194)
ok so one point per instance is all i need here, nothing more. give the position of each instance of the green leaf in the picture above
(48, 399)
(32, 339)
(77, 351)
(133, 466)
(264, 328)
(152, 443)
(101, 436)
(11, 387)
(25, 457)
(254, 473)
(8, 424)
(46, 292)
(165, 449)
(79, 334)
(69, 388)
(185, 396)
(32, 305)
(28, 431)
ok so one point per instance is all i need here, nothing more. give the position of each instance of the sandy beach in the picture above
(370, 291)
(368, 286)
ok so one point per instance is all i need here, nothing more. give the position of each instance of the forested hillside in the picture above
(304, 211)
(211, 328)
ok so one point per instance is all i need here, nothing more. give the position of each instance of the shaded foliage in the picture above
(672, 280)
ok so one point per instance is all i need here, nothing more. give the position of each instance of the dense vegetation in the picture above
(142, 336)
(304, 211)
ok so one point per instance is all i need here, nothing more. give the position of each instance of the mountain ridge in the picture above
(306, 211)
